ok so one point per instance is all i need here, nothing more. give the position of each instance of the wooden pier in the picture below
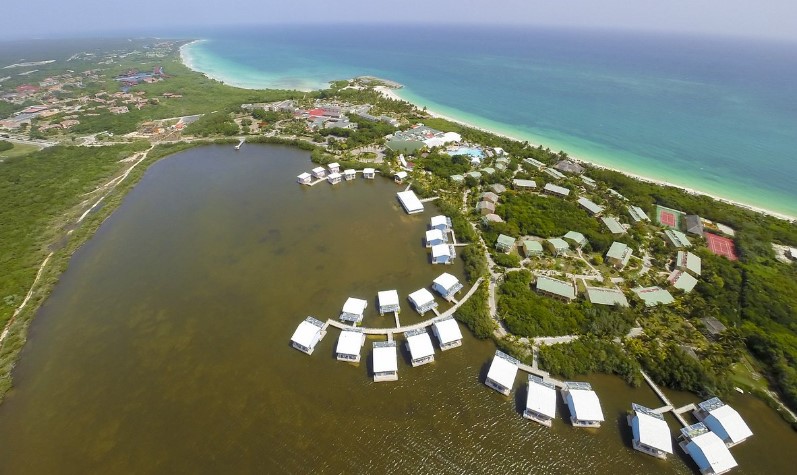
(238, 147)
(668, 407)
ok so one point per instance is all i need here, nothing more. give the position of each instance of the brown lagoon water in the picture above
(164, 348)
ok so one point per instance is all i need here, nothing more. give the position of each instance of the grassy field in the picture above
(19, 150)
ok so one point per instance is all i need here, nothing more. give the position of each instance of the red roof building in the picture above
(27, 89)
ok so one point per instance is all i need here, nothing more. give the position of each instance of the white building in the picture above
(334, 178)
(308, 334)
(399, 177)
(435, 237)
(651, 435)
(369, 173)
(304, 179)
(555, 190)
(590, 206)
(334, 167)
(410, 202)
(502, 372)
(349, 174)
(442, 254)
(422, 300)
(585, 408)
(319, 172)
(540, 401)
(707, 450)
(388, 302)
(447, 332)
(420, 346)
(446, 285)
(724, 421)
(385, 361)
(443, 223)
(353, 310)
(349, 344)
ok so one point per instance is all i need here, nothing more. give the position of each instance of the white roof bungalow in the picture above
(420, 346)
(554, 173)
(319, 172)
(353, 310)
(618, 254)
(308, 334)
(304, 179)
(349, 174)
(603, 296)
(556, 288)
(502, 372)
(443, 254)
(651, 435)
(334, 178)
(349, 344)
(707, 450)
(552, 189)
(443, 223)
(385, 361)
(399, 177)
(521, 184)
(334, 167)
(447, 332)
(446, 285)
(388, 301)
(653, 296)
(676, 238)
(540, 401)
(687, 261)
(410, 202)
(614, 225)
(637, 214)
(591, 207)
(682, 280)
(576, 237)
(422, 300)
(435, 237)
(369, 173)
(534, 163)
(724, 421)
(585, 408)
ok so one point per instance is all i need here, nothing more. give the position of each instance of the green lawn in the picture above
(19, 150)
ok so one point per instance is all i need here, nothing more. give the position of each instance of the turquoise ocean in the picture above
(718, 115)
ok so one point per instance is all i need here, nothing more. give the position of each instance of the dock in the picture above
(668, 406)
(238, 147)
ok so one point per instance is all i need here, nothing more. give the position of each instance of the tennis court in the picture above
(721, 246)
(669, 217)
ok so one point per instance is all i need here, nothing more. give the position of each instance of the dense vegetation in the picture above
(5, 145)
(474, 262)
(367, 132)
(475, 313)
(588, 355)
(444, 166)
(213, 124)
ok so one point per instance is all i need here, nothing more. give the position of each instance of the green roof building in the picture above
(687, 261)
(504, 243)
(614, 225)
(676, 238)
(682, 280)
(532, 248)
(557, 246)
(618, 255)
(653, 296)
(577, 238)
(601, 296)
(556, 288)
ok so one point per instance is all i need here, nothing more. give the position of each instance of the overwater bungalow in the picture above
(502, 372)
(349, 344)
(651, 435)
(353, 310)
(388, 302)
(334, 178)
(385, 361)
(369, 173)
(307, 335)
(446, 285)
(443, 254)
(706, 449)
(443, 223)
(420, 346)
(304, 179)
(399, 177)
(435, 237)
(422, 300)
(349, 174)
(540, 401)
(724, 421)
(447, 332)
(319, 172)
(585, 408)
(410, 202)
(334, 167)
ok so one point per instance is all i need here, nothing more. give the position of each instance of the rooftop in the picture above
(682, 280)
(503, 369)
(446, 280)
(355, 306)
(420, 344)
(505, 240)
(575, 236)
(447, 330)
(726, 422)
(541, 397)
(410, 202)
(708, 451)
(385, 358)
(637, 214)
(584, 403)
(651, 429)
(524, 183)
(613, 224)
(440, 250)
(687, 260)
(306, 332)
(601, 296)
(677, 238)
(559, 190)
(421, 297)
(590, 206)
(388, 297)
(653, 296)
(559, 244)
(439, 220)
(350, 342)
(434, 235)
(556, 287)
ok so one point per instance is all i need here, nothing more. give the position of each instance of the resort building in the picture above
(474, 174)
(334, 167)
(504, 243)
(435, 237)
(457, 178)
(585, 408)
(385, 361)
(349, 344)
(488, 171)
(489, 196)
(369, 173)
(492, 218)
(540, 401)
(410, 202)
(689, 262)
(308, 334)
(724, 421)
(319, 172)
(613, 225)
(706, 449)
(420, 346)
(349, 174)
(590, 206)
(618, 255)
(497, 188)
(601, 296)
(694, 225)
(422, 300)
(682, 280)
(304, 179)
(793, 253)
(534, 163)
(443, 223)
(557, 246)
(616, 194)
(556, 288)
(588, 181)
(502, 372)
(653, 296)
(676, 238)
(651, 435)
(353, 310)
(447, 332)
(399, 177)
(713, 326)
(388, 302)
(568, 166)
(522, 185)
(554, 174)
(485, 207)
(334, 178)
(532, 248)
(443, 254)
(637, 214)
(447, 286)
(576, 238)
(555, 190)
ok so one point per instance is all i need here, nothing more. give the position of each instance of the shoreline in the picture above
(389, 93)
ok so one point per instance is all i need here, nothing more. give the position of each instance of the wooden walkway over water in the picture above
(668, 407)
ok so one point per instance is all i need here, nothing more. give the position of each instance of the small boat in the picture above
(738, 389)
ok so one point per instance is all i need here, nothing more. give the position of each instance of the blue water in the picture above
(715, 114)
